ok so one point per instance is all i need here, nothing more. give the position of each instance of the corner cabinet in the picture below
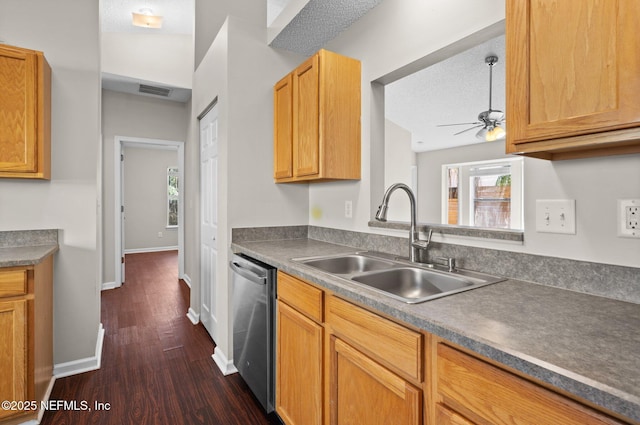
(26, 338)
(317, 110)
(573, 78)
(25, 114)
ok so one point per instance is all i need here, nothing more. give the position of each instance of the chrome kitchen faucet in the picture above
(415, 243)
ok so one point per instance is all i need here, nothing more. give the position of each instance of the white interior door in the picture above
(208, 218)
(122, 219)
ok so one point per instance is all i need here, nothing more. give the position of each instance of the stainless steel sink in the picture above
(414, 285)
(348, 264)
(406, 281)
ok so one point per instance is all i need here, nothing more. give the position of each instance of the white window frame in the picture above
(172, 172)
(465, 209)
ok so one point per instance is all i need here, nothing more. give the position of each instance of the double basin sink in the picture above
(409, 282)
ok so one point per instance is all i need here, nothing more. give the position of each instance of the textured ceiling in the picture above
(455, 90)
(319, 22)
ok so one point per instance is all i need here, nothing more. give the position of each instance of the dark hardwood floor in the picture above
(156, 365)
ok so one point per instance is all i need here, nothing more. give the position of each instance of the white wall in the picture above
(69, 201)
(145, 199)
(390, 36)
(130, 115)
(398, 161)
(239, 71)
(162, 58)
(395, 34)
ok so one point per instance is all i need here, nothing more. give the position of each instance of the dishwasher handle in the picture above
(247, 274)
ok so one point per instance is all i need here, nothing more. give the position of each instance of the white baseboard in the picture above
(87, 364)
(186, 279)
(109, 285)
(193, 316)
(225, 366)
(152, 249)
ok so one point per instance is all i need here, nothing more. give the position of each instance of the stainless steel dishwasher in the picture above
(254, 287)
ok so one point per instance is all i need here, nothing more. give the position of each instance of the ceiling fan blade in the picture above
(460, 123)
(468, 129)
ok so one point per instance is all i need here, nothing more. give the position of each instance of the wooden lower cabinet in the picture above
(299, 356)
(470, 390)
(26, 338)
(13, 353)
(339, 363)
(374, 369)
(364, 392)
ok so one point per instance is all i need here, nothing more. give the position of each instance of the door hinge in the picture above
(122, 260)
(121, 157)
(121, 208)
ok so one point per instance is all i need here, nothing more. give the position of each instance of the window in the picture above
(172, 196)
(486, 194)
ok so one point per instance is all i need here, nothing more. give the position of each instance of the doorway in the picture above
(120, 208)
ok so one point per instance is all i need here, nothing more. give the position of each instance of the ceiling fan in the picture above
(491, 119)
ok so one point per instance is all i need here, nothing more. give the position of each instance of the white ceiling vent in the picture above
(154, 90)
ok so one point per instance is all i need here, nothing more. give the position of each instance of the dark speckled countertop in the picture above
(26, 247)
(586, 345)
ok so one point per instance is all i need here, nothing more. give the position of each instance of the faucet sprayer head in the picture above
(381, 215)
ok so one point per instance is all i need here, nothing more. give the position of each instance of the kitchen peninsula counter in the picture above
(582, 344)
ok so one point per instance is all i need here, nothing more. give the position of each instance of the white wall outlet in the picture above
(629, 218)
(348, 209)
(159, 234)
(556, 216)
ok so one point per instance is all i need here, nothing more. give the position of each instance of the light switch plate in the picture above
(556, 216)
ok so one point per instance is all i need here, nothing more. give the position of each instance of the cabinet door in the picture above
(18, 111)
(283, 128)
(13, 353)
(573, 69)
(364, 392)
(298, 368)
(306, 116)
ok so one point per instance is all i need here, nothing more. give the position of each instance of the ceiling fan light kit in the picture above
(490, 120)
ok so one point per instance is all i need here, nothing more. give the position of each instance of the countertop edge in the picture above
(600, 394)
(30, 255)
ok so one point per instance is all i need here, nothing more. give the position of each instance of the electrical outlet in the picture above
(348, 209)
(629, 218)
(159, 234)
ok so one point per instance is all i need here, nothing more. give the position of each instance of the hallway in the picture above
(156, 365)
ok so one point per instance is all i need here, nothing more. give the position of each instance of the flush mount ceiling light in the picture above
(491, 119)
(146, 19)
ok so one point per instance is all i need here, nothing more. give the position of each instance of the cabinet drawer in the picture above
(13, 283)
(301, 296)
(445, 416)
(487, 394)
(394, 345)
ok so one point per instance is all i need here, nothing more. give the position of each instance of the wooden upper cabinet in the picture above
(25, 114)
(317, 110)
(573, 78)
(283, 128)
